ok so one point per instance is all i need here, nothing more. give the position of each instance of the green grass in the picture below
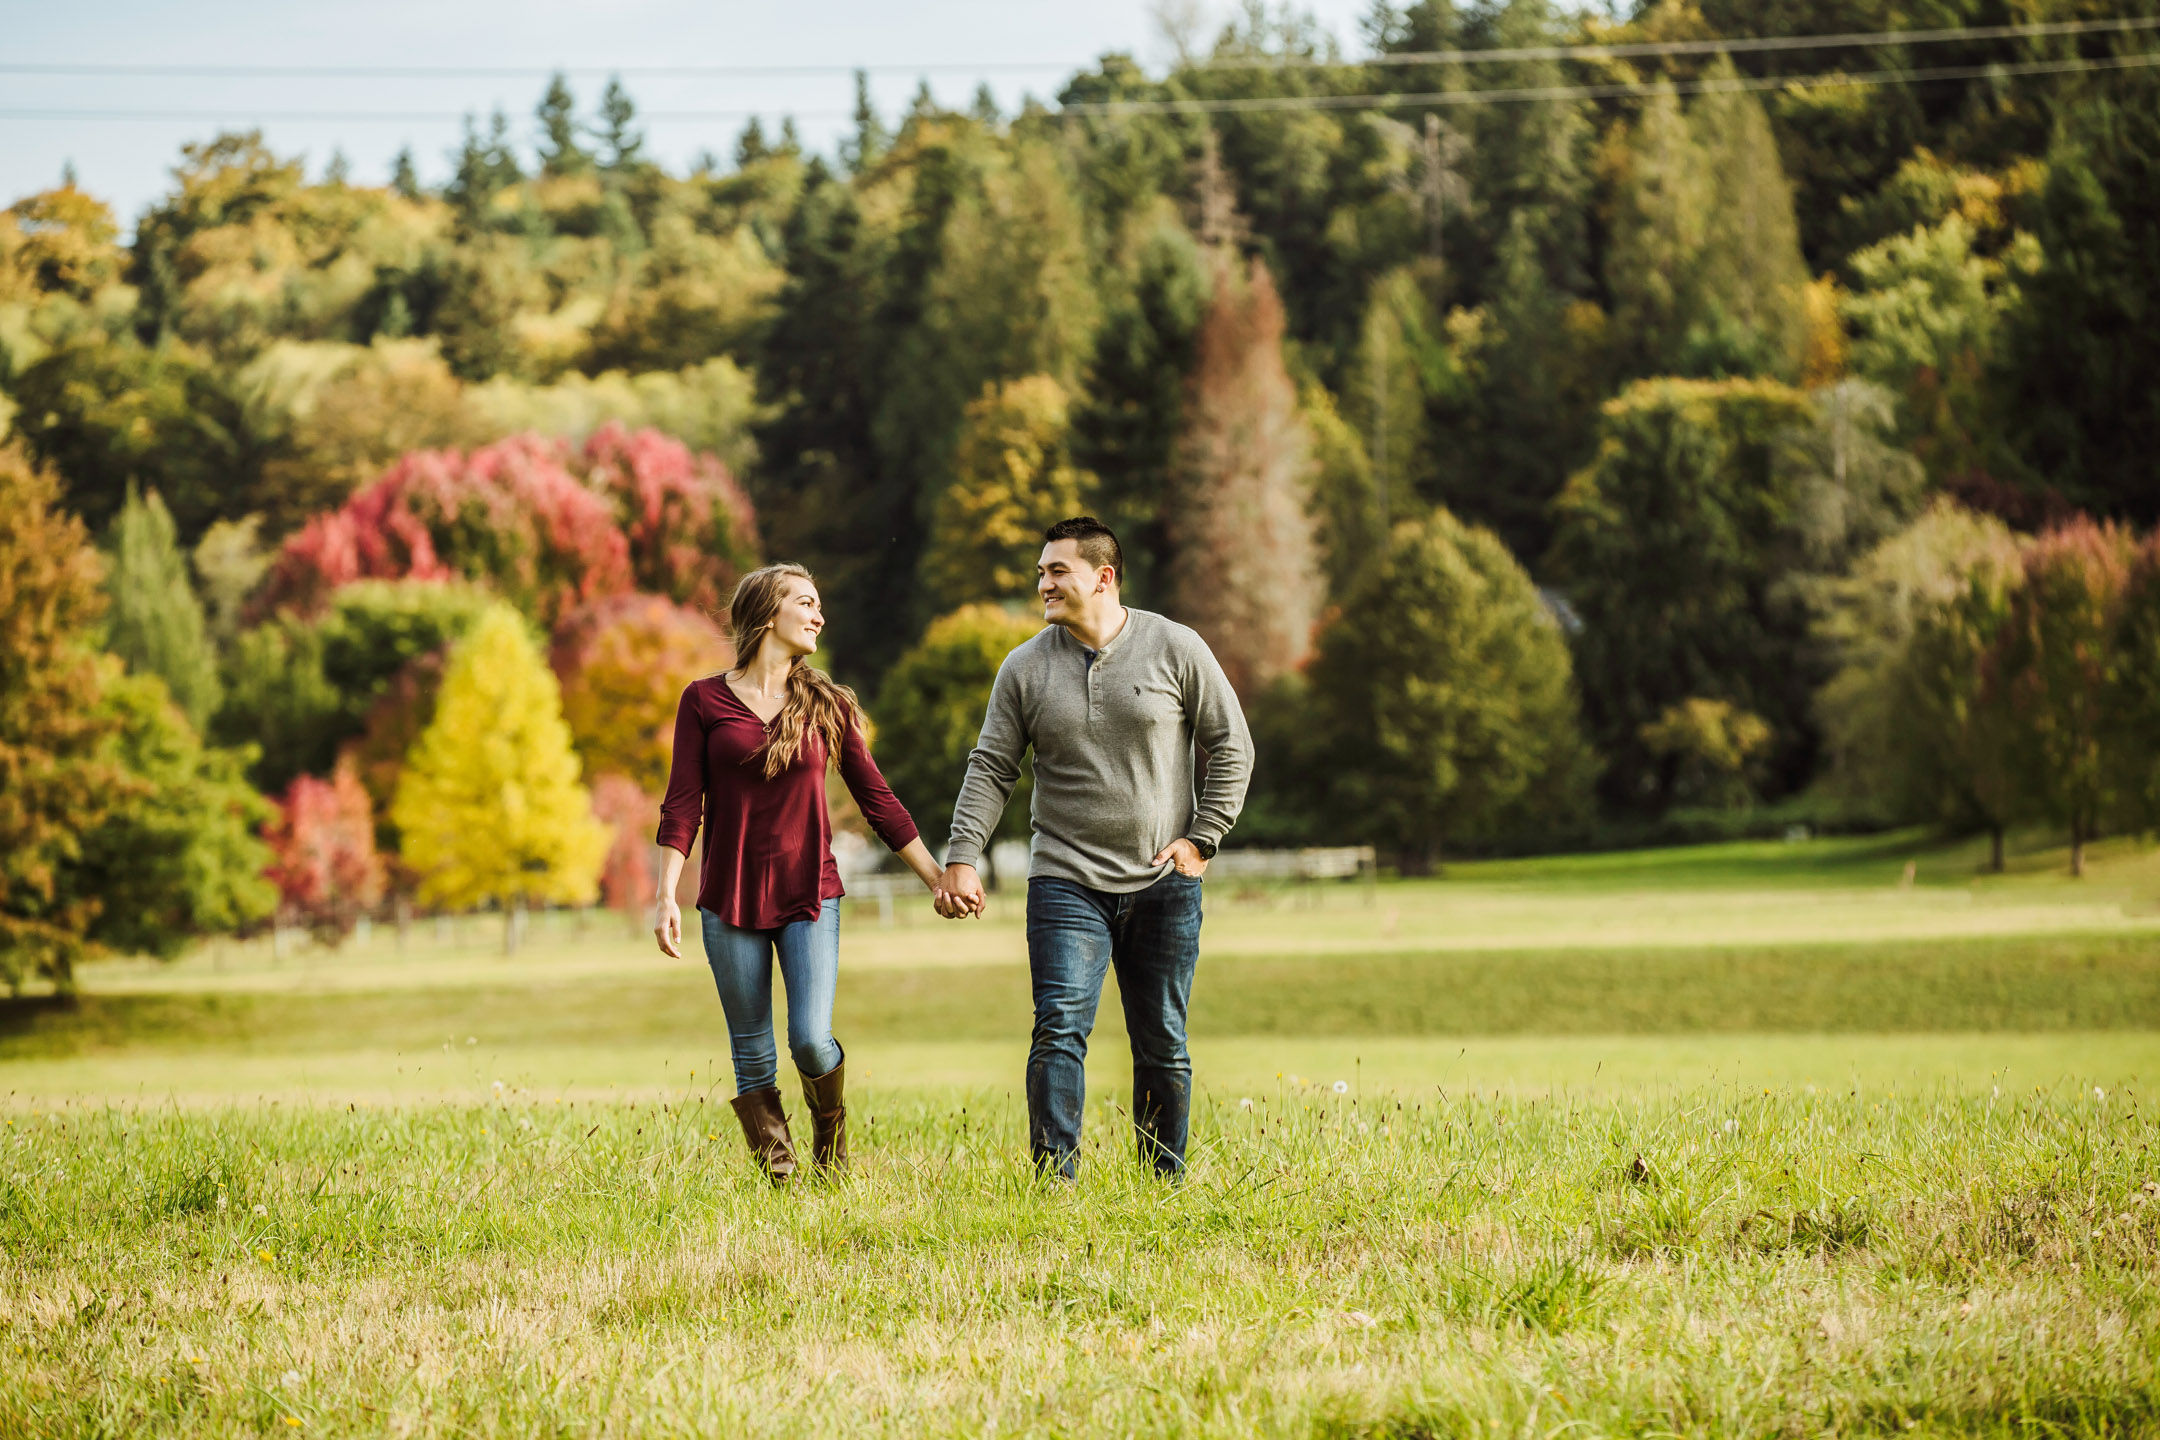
(1834, 1138)
(1727, 1262)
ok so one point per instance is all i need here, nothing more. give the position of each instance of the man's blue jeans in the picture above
(742, 966)
(1152, 937)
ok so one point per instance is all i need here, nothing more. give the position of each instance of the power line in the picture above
(1746, 44)
(1703, 86)
(1630, 50)
(1261, 103)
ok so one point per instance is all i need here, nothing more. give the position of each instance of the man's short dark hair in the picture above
(1098, 543)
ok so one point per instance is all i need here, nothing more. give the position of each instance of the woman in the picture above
(751, 746)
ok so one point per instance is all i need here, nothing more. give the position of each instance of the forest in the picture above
(1569, 431)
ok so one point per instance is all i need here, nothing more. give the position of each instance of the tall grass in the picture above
(1716, 1262)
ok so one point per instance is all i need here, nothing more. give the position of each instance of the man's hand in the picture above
(1183, 854)
(668, 927)
(960, 893)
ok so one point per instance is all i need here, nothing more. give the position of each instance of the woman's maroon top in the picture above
(768, 843)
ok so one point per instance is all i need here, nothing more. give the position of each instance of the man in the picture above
(1113, 700)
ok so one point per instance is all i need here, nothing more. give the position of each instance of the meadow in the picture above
(1826, 1138)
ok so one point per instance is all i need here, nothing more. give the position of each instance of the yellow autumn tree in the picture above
(490, 805)
(1012, 480)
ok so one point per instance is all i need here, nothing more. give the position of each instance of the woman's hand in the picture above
(667, 926)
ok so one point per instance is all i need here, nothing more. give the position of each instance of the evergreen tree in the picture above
(1454, 719)
(869, 143)
(2077, 378)
(1705, 264)
(750, 147)
(57, 775)
(983, 110)
(404, 175)
(621, 145)
(1125, 427)
(1247, 577)
(489, 805)
(560, 153)
(154, 622)
(1013, 478)
(930, 710)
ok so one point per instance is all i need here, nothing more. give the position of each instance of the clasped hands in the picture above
(958, 893)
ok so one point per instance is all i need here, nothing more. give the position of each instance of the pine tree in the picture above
(1247, 575)
(750, 147)
(560, 153)
(56, 779)
(155, 623)
(404, 175)
(622, 144)
(871, 138)
(489, 805)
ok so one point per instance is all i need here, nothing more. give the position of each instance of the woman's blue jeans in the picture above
(742, 966)
(1152, 938)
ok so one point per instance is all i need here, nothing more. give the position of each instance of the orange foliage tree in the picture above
(1247, 576)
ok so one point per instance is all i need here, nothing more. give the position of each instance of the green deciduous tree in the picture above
(1671, 546)
(154, 622)
(1013, 477)
(176, 857)
(489, 805)
(1442, 701)
(2134, 698)
(57, 776)
(930, 711)
(1911, 728)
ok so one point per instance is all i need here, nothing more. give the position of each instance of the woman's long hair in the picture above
(815, 702)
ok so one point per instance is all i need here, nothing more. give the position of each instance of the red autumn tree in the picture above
(626, 879)
(546, 525)
(323, 839)
(1247, 573)
(2056, 660)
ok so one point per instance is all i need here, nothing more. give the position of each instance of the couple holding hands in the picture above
(1141, 762)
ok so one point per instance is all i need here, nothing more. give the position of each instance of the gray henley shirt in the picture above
(1116, 777)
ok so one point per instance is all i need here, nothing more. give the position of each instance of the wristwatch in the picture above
(1205, 847)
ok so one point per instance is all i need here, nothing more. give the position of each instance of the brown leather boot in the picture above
(764, 1125)
(826, 1097)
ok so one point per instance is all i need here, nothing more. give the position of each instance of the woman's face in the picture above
(795, 628)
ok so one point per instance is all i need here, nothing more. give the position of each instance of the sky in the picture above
(124, 149)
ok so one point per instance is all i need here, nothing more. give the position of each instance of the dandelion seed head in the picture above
(262, 1212)
(1342, 1087)
(2098, 1093)
(1244, 1104)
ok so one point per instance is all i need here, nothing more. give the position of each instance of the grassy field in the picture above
(1739, 1141)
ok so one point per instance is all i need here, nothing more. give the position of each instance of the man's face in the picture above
(1066, 584)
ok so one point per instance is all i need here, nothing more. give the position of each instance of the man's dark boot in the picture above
(827, 1098)
(764, 1125)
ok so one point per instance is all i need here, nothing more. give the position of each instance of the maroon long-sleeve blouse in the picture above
(768, 843)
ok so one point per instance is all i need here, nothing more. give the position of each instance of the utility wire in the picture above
(1633, 50)
(1704, 85)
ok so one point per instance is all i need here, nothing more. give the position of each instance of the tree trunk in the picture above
(2077, 847)
(1995, 850)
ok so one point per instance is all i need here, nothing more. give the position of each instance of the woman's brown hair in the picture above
(815, 702)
